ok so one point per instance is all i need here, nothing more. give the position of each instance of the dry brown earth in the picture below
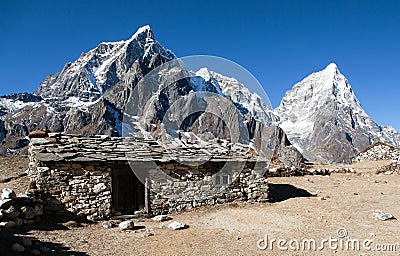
(310, 207)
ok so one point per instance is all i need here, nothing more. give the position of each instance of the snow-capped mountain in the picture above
(244, 99)
(96, 71)
(89, 95)
(17, 101)
(321, 114)
(323, 118)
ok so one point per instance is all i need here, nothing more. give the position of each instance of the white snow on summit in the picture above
(326, 94)
(239, 94)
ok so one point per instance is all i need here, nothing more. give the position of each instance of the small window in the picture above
(222, 179)
(225, 179)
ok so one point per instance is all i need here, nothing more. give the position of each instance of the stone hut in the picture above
(101, 176)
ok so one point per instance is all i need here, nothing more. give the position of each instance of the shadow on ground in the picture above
(282, 192)
(10, 236)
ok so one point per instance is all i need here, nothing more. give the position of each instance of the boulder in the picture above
(5, 203)
(177, 225)
(126, 225)
(161, 218)
(17, 248)
(38, 134)
(38, 209)
(44, 249)
(290, 156)
(35, 252)
(71, 224)
(19, 222)
(8, 194)
(380, 215)
(26, 241)
(12, 212)
(106, 224)
(23, 199)
(28, 212)
(7, 224)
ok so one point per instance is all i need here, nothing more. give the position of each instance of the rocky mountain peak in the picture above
(322, 116)
(331, 67)
(142, 34)
(101, 68)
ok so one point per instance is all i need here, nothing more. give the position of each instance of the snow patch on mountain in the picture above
(242, 96)
(102, 67)
(323, 105)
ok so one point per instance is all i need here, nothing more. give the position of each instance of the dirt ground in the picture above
(305, 208)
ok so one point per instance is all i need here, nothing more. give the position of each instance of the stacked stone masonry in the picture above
(74, 174)
(378, 151)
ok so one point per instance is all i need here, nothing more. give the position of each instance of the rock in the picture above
(23, 199)
(17, 248)
(5, 203)
(8, 194)
(38, 209)
(380, 215)
(12, 212)
(28, 212)
(99, 188)
(38, 134)
(35, 252)
(26, 241)
(19, 222)
(177, 225)
(7, 224)
(44, 249)
(106, 224)
(29, 222)
(148, 233)
(161, 218)
(71, 224)
(290, 156)
(126, 225)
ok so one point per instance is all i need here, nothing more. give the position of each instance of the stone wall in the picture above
(84, 188)
(80, 188)
(194, 188)
(378, 151)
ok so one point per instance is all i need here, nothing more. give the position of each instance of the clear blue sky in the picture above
(280, 42)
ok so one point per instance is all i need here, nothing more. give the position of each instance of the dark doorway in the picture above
(127, 191)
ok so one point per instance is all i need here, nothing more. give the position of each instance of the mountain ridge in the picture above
(88, 96)
(323, 108)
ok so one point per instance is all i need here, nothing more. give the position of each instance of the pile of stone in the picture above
(302, 171)
(25, 244)
(19, 210)
(393, 168)
(378, 151)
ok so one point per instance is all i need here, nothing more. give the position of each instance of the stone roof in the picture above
(76, 148)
